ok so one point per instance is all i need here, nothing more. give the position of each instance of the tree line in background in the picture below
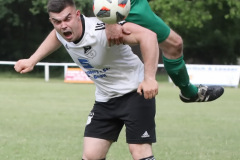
(210, 28)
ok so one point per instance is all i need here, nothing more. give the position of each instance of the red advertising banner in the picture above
(76, 75)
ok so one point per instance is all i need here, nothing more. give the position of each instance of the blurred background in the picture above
(209, 28)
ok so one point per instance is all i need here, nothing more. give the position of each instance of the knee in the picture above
(178, 43)
(173, 46)
(177, 47)
(88, 156)
(91, 155)
(139, 151)
(95, 148)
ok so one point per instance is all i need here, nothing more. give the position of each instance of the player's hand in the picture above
(115, 34)
(24, 66)
(148, 88)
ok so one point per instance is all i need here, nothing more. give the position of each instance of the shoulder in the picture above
(94, 23)
(95, 29)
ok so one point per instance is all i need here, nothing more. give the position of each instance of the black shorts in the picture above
(106, 119)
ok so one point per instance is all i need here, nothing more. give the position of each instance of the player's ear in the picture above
(50, 20)
(78, 13)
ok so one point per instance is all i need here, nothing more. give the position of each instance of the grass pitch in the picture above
(45, 121)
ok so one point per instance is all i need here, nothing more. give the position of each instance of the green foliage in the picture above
(24, 24)
(210, 28)
(193, 13)
(216, 42)
(39, 6)
(6, 11)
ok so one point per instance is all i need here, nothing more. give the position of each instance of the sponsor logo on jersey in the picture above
(96, 74)
(85, 63)
(89, 52)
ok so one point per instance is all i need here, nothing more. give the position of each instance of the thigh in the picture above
(94, 148)
(140, 119)
(139, 151)
(142, 15)
(102, 123)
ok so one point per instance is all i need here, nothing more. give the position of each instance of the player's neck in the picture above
(83, 30)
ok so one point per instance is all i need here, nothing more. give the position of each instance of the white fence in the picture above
(48, 64)
(225, 75)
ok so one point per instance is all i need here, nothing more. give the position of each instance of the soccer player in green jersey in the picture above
(171, 45)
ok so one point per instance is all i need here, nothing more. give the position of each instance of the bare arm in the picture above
(49, 45)
(150, 53)
(115, 34)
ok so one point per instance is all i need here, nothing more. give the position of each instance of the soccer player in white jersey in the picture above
(125, 87)
(171, 45)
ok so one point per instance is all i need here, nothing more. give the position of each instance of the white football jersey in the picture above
(115, 70)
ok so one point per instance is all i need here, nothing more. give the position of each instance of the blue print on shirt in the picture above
(85, 63)
(96, 74)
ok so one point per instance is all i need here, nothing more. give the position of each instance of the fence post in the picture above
(46, 71)
(65, 70)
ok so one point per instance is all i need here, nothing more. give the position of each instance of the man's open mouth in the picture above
(67, 34)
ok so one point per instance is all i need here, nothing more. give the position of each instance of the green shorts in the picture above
(142, 14)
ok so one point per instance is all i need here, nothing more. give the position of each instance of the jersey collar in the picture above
(83, 29)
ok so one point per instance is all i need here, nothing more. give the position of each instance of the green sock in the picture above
(177, 71)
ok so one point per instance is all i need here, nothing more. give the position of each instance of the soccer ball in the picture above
(111, 11)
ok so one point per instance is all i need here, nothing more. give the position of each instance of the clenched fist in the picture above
(24, 66)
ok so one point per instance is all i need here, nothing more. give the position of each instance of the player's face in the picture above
(67, 23)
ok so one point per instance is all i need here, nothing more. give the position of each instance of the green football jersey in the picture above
(142, 14)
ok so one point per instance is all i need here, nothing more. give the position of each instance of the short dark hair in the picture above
(56, 6)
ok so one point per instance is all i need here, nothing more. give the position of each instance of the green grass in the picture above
(45, 121)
